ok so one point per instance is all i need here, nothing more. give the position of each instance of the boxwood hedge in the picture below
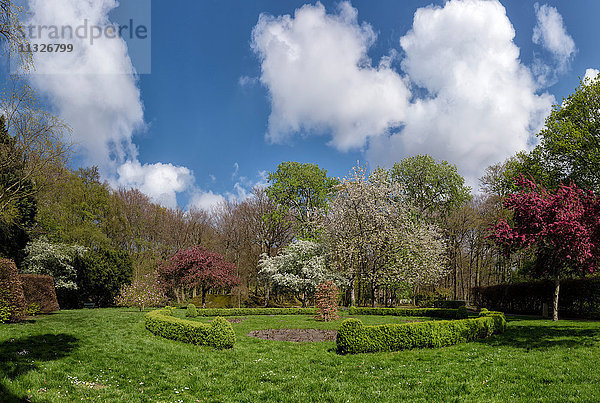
(255, 311)
(218, 333)
(354, 337)
(460, 313)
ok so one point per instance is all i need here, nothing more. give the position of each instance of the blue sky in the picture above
(331, 84)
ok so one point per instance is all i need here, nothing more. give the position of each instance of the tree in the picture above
(569, 149)
(561, 226)
(301, 190)
(435, 188)
(198, 267)
(376, 237)
(142, 293)
(299, 268)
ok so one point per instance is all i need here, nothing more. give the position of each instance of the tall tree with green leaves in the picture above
(569, 148)
(435, 188)
(302, 190)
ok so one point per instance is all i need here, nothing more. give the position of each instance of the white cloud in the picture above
(246, 81)
(206, 200)
(161, 182)
(95, 90)
(319, 77)
(550, 33)
(480, 105)
(590, 74)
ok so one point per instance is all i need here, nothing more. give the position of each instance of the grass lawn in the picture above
(107, 355)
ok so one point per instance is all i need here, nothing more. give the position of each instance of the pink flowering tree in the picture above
(199, 268)
(142, 293)
(562, 227)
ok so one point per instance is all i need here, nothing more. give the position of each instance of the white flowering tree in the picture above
(376, 237)
(299, 268)
(54, 259)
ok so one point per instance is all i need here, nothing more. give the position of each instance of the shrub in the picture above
(33, 309)
(39, 290)
(12, 299)
(429, 312)
(327, 296)
(579, 298)
(462, 313)
(191, 311)
(218, 334)
(255, 311)
(142, 293)
(449, 304)
(101, 274)
(354, 337)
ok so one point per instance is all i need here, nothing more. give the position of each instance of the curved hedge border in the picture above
(254, 311)
(354, 337)
(218, 333)
(460, 313)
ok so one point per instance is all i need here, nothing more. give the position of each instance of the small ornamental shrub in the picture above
(449, 304)
(12, 300)
(462, 312)
(143, 293)
(218, 334)
(327, 296)
(354, 337)
(191, 311)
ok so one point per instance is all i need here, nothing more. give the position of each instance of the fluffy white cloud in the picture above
(320, 78)
(551, 33)
(161, 182)
(590, 74)
(479, 105)
(95, 90)
(206, 200)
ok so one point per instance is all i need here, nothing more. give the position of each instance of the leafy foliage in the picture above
(562, 227)
(299, 268)
(142, 293)
(354, 337)
(302, 190)
(39, 290)
(55, 260)
(191, 311)
(12, 300)
(198, 267)
(218, 334)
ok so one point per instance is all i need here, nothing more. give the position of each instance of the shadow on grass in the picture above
(545, 336)
(19, 356)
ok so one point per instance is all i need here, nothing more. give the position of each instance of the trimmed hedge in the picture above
(255, 311)
(12, 299)
(449, 304)
(354, 337)
(218, 333)
(428, 312)
(39, 289)
(191, 311)
(579, 298)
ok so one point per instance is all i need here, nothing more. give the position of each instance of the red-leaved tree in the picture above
(198, 268)
(562, 227)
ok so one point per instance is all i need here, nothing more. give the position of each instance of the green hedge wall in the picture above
(218, 334)
(255, 311)
(354, 337)
(460, 313)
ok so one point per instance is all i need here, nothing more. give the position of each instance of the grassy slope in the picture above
(107, 355)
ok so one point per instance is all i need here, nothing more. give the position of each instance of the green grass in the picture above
(107, 355)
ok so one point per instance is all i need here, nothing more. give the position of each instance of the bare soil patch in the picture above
(295, 335)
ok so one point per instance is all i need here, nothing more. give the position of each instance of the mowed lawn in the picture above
(107, 355)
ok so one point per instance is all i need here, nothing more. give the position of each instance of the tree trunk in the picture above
(204, 290)
(267, 294)
(176, 292)
(194, 292)
(352, 293)
(555, 300)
